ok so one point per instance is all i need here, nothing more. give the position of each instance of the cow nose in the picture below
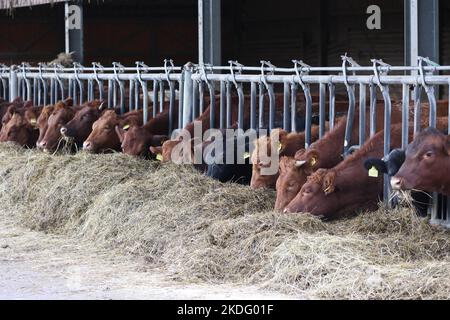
(396, 183)
(87, 145)
(285, 210)
(63, 130)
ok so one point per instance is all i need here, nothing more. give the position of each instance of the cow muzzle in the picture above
(87, 146)
(396, 183)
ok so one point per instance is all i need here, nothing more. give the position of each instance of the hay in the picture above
(201, 229)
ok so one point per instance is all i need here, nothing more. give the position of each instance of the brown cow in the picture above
(61, 114)
(20, 131)
(427, 162)
(324, 153)
(80, 126)
(42, 122)
(103, 137)
(347, 186)
(137, 140)
(289, 143)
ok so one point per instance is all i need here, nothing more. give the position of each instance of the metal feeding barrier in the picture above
(127, 88)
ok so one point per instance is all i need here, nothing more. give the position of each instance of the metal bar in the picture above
(228, 94)
(362, 114)
(271, 106)
(331, 90)
(180, 101)
(373, 109)
(350, 117)
(144, 101)
(161, 96)
(212, 103)
(387, 137)
(155, 98)
(201, 97)
(187, 94)
(222, 104)
(240, 106)
(171, 106)
(195, 92)
(322, 98)
(417, 108)
(110, 93)
(293, 107)
(13, 84)
(405, 115)
(131, 95)
(286, 109)
(261, 105)
(253, 105)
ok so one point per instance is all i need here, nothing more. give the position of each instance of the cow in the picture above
(80, 126)
(4, 106)
(61, 114)
(42, 122)
(103, 137)
(20, 131)
(426, 161)
(137, 140)
(288, 144)
(346, 187)
(324, 153)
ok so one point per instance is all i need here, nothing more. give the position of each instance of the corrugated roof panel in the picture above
(10, 4)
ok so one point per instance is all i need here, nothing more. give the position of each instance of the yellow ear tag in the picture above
(246, 155)
(279, 146)
(159, 157)
(373, 172)
(313, 161)
(126, 127)
(33, 121)
(327, 189)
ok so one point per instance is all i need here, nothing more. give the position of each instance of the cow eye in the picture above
(428, 154)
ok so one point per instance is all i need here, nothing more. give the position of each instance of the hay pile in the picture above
(200, 229)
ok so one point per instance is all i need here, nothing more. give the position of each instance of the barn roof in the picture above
(11, 4)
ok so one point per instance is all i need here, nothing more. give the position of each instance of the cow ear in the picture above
(158, 140)
(328, 182)
(120, 133)
(312, 157)
(299, 154)
(28, 104)
(68, 102)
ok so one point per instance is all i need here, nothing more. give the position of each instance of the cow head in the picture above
(17, 130)
(80, 126)
(137, 140)
(103, 136)
(425, 165)
(42, 123)
(61, 114)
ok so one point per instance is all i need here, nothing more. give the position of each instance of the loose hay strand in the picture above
(201, 229)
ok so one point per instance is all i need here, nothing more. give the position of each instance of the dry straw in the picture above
(202, 230)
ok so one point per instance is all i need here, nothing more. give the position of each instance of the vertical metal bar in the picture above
(332, 90)
(253, 105)
(271, 106)
(35, 84)
(362, 114)
(52, 90)
(187, 94)
(122, 96)
(171, 106)
(180, 100)
(114, 94)
(387, 136)
(13, 83)
(405, 115)
(373, 109)
(240, 106)
(222, 104)
(90, 90)
(212, 103)
(131, 95)
(322, 97)
(201, 97)
(136, 95)
(350, 118)
(228, 93)
(417, 108)
(308, 116)
(293, 107)
(286, 109)
(144, 101)
(110, 94)
(161, 96)
(432, 101)
(155, 98)
(195, 100)
(261, 105)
